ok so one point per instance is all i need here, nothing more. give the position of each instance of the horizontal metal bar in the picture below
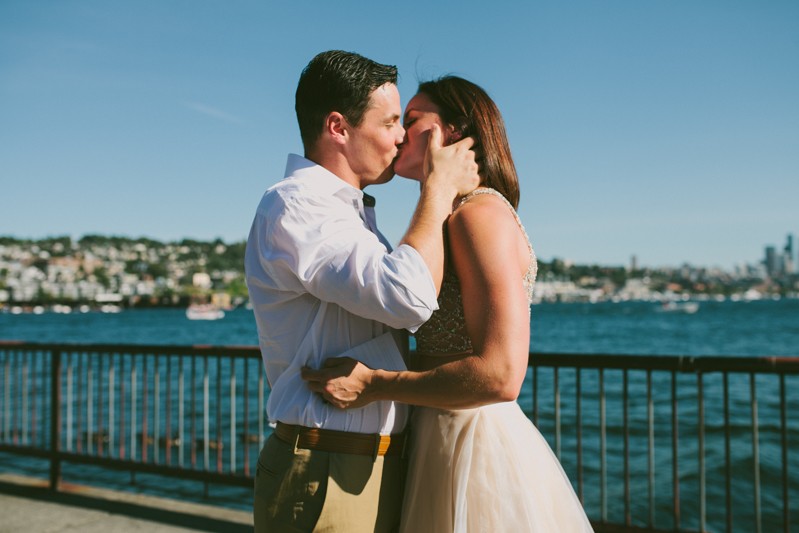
(151, 468)
(107, 349)
(32, 451)
(239, 480)
(679, 363)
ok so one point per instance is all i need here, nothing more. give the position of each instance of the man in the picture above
(323, 282)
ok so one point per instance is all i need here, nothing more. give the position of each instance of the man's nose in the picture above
(400, 135)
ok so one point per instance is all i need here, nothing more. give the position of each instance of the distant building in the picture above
(787, 256)
(221, 299)
(201, 280)
(772, 262)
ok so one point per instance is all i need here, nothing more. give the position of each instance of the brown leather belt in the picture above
(328, 440)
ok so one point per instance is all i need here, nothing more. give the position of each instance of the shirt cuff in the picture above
(423, 286)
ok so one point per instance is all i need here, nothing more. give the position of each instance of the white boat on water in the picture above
(204, 312)
(679, 307)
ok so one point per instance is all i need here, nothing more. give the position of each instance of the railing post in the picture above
(701, 451)
(786, 512)
(603, 464)
(650, 409)
(727, 455)
(626, 430)
(579, 423)
(55, 419)
(675, 438)
(755, 452)
(556, 387)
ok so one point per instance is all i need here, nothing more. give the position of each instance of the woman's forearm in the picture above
(465, 383)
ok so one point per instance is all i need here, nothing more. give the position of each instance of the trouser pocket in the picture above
(289, 487)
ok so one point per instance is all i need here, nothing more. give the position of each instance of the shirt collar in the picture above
(323, 180)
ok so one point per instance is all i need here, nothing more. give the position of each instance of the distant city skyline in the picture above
(773, 261)
(109, 272)
(780, 264)
(661, 130)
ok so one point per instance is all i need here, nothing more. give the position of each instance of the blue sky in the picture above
(664, 129)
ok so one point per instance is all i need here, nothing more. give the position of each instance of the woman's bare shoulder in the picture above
(482, 212)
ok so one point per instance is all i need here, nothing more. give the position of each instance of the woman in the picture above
(477, 462)
(486, 468)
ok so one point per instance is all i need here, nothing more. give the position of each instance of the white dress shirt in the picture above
(323, 283)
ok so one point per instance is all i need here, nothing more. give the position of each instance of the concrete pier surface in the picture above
(27, 505)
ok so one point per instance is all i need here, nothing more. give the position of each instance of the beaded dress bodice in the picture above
(445, 333)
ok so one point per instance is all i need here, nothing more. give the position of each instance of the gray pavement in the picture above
(26, 505)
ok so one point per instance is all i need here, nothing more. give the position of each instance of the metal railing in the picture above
(651, 443)
(695, 433)
(192, 412)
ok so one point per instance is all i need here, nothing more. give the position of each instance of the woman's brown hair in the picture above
(473, 113)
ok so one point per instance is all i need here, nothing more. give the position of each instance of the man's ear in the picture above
(336, 127)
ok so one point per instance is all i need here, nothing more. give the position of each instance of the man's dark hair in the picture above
(337, 81)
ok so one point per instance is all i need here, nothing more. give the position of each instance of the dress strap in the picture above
(493, 192)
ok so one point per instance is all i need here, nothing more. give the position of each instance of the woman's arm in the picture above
(490, 257)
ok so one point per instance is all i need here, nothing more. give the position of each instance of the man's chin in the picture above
(389, 174)
(385, 177)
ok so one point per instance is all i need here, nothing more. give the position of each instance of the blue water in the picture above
(718, 328)
(756, 328)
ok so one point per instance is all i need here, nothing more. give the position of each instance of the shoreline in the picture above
(71, 307)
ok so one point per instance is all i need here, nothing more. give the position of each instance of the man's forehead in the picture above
(387, 89)
(385, 95)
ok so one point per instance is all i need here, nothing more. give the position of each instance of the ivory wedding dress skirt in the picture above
(486, 470)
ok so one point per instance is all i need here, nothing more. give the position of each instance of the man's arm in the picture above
(497, 319)
(451, 171)
(306, 245)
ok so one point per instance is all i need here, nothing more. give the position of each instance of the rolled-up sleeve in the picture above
(333, 256)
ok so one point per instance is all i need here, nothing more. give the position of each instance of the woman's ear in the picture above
(453, 134)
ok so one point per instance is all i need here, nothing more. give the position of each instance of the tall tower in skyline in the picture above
(772, 261)
(787, 256)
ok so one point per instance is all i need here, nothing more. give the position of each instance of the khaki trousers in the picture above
(299, 490)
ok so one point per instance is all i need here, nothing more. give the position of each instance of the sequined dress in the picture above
(486, 469)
